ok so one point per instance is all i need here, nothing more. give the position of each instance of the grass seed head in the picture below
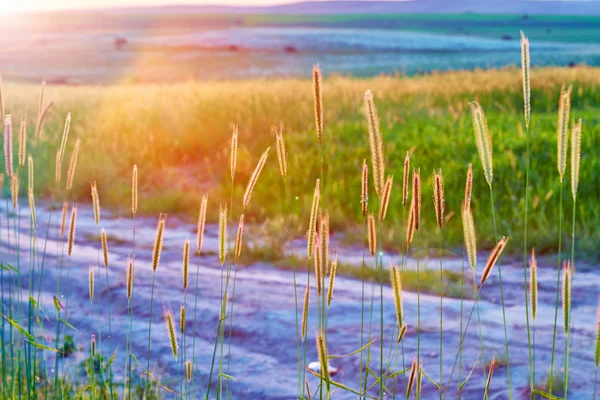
(158, 241)
(323, 356)
(526, 80)
(494, 255)
(238, 239)
(438, 197)
(73, 165)
(318, 263)
(134, 190)
(564, 110)
(188, 370)
(65, 136)
(201, 223)
(332, 273)
(402, 333)
(104, 242)
(182, 320)
(483, 140)
(533, 284)
(411, 377)
(8, 153)
(405, 178)
(254, 177)
(376, 143)
(281, 153)
(470, 236)
(575, 157)
(318, 101)
(30, 173)
(385, 198)
(186, 264)
(171, 332)
(364, 189)
(32, 210)
(58, 169)
(396, 281)
(71, 237)
(233, 155)
(63, 219)
(91, 283)
(305, 312)
(312, 225)
(95, 202)
(222, 233)
(372, 234)
(417, 197)
(410, 223)
(468, 188)
(22, 141)
(130, 276)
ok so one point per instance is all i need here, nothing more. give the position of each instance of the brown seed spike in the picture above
(417, 197)
(238, 239)
(567, 293)
(73, 164)
(254, 177)
(372, 234)
(376, 143)
(312, 225)
(8, 153)
(201, 224)
(364, 192)
(130, 276)
(222, 233)
(71, 238)
(411, 377)
(438, 197)
(494, 255)
(318, 262)
(281, 153)
(533, 284)
(468, 188)
(134, 190)
(186, 263)
(158, 242)
(385, 198)
(104, 242)
(405, 179)
(63, 220)
(410, 224)
(233, 155)
(305, 312)
(318, 100)
(22, 141)
(402, 333)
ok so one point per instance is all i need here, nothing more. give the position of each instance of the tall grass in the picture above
(329, 212)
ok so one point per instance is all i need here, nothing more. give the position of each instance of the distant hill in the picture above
(533, 7)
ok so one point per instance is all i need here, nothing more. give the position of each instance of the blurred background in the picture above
(70, 41)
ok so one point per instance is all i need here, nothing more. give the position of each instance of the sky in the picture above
(7, 6)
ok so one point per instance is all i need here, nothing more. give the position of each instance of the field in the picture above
(153, 177)
(179, 137)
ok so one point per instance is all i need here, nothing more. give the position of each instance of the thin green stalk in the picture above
(501, 297)
(460, 329)
(418, 307)
(525, 289)
(441, 310)
(380, 257)
(146, 386)
(568, 344)
(362, 318)
(195, 311)
(289, 218)
(560, 218)
(595, 383)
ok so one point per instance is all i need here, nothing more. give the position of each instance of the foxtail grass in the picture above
(42, 112)
(439, 202)
(171, 331)
(564, 110)
(323, 359)
(372, 234)
(525, 69)
(156, 251)
(222, 233)
(312, 225)
(95, 203)
(332, 272)
(8, 147)
(73, 165)
(483, 140)
(318, 101)
(364, 189)
(493, 258)
(376, 143)
(254, 177)
(385, 198)
(411, 377)
(22, 140)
